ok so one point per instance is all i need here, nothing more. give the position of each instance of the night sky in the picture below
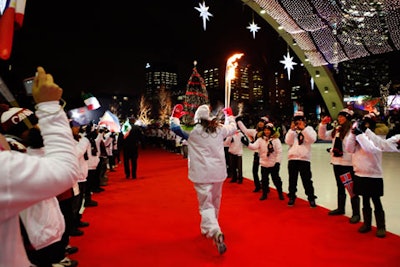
(103, 48)
(92, 47)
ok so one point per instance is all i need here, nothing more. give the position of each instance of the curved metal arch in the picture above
(322, 76)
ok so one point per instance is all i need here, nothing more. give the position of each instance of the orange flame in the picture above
(231, 65)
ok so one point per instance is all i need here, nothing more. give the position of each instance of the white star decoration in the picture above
(203, 9)
(253, 28)
(289, 63)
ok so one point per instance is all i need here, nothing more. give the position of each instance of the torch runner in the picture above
(231, 65)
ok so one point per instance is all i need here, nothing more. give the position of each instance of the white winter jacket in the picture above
(385, 145)
(261, 146)
(43, 221)
(367, 158)
(303, 151)
(344, 160)
(26, 180)
(234, 143)
(206, 155)
(83, 146)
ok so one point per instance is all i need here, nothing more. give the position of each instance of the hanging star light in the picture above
(288, 63)
(253, 28)
(203, 9)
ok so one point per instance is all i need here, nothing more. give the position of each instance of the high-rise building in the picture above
(158, 75)
(363, 76)
(247, 87)
(161, 87)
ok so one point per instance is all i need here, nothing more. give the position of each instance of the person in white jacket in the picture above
(83, 148)
(207, 169)
(269, 148)
(26, 179)
(300, 137)
(368, 173)
(341, 160)
(253, 135)
(93, 176)
(42, 224)
(235, 152)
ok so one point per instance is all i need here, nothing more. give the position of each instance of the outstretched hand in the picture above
(326, 120)
(178, 112)
(228, 111)
(44, 89)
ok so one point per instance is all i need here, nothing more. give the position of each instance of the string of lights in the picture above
(332, 31)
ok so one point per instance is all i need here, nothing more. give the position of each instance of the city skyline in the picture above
(108, 47)
(104, 49)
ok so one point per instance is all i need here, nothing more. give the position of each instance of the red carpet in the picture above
(154, 221)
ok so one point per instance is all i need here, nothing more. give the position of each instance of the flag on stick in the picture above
(12, 18)
(90, 101)
(347, 181)
(126, 127)
(111, 121)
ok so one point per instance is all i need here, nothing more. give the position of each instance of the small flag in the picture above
(79, 115)
(126, 127)
(90, 101)
(111, 121)
(347, 182)
(12, 17)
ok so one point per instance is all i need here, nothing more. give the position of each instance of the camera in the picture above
(28, 84)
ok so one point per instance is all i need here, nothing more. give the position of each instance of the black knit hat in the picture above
(348, 113)
(299, 116)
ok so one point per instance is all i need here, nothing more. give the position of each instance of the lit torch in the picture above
(231, 65)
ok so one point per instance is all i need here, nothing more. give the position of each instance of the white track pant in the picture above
(209, 197)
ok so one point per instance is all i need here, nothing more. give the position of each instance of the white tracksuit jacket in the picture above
(26, 180)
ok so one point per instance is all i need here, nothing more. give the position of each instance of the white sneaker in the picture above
(66, 262)
(219, 242)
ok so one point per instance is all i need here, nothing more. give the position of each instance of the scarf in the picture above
(270, 148)
(338, 144)
(300, 137)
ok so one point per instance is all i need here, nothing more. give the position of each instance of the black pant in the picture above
(256, 165)
(276, 179)
(91, 183)
(236, 167)
(303, 168)
(130, 163)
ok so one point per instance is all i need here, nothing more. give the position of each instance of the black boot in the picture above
(265, 190)
(278, 186)
(380, 223)
(355, 205)
(264, 196)
(367, 214)
(341, 203)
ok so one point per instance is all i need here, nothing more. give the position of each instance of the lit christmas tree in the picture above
(195, 96)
